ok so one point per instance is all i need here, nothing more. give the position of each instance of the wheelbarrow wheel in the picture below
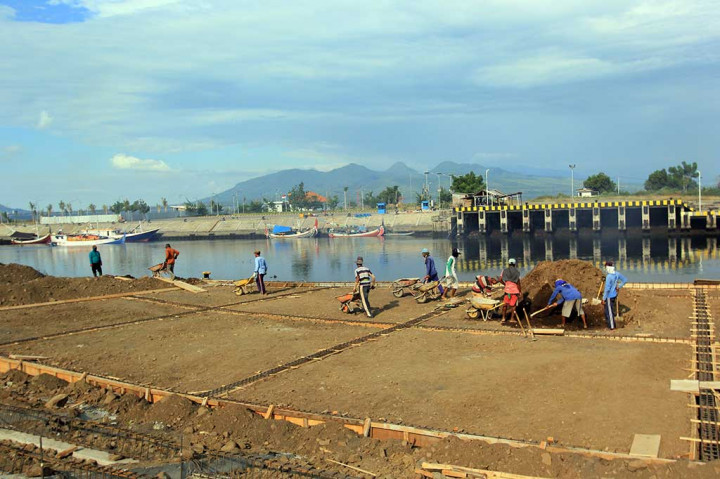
(239, 291)
(398, 293)
(422, 299)
(473, 313)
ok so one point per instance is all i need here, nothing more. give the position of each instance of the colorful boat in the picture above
(134, 236)
(85, 240)
(360, 234)
(38, 240)
(286, 232)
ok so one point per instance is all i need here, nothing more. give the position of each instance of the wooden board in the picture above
(183, 285)
(692, 385)
(554, 332)
(645, 445)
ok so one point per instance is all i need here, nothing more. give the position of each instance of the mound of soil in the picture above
(47, 383)
(585, 276)
(23, 285)
(171, 410)
(17, 273)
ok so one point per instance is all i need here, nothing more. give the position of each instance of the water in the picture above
(642, 259)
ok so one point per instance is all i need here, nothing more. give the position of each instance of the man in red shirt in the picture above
(170, 257)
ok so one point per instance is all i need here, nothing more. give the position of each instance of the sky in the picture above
(102, 100)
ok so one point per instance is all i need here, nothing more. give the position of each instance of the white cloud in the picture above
(127, 162)
(45, 120)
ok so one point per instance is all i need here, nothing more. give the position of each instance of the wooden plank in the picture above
(645, 445)
(183, 285)
(549, 331)
(23, 357)
(479, 472)
(80, 300)
(692, 386)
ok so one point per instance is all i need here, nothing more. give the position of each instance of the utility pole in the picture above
(439, 189)
(345, 196)
(572, 180)
(618, 185)
(487, 187)
(699, 192)
(426, 189)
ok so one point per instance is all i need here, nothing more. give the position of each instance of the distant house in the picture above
(492, 198)
(586, 192)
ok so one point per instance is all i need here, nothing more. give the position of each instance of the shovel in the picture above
(596, 300)
(541, 310)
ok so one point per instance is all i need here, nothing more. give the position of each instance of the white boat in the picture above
(85, 240)
(136, 235)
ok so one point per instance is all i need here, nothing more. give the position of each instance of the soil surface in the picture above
(560, 387)
(24, 285)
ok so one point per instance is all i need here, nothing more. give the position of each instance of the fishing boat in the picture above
(378, 232)
(404, 233)
(37, 240)
(286, 232)
(135, 235)
(85, 240)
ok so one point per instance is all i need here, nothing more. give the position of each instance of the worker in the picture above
(430, 271)
(570, 298)
(451, 279)
(95, 262)
(614, 281)
(170, 257)
(483, 285)
(510, 277)
(260, 272)
(364, 282)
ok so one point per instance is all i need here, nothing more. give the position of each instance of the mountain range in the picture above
(359, 179)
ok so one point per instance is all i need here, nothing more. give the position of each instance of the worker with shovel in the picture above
(570, 298)
(613, 282)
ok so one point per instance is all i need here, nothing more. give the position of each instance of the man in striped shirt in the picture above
(364, 282)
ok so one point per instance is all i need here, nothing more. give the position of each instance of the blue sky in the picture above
(106, 99)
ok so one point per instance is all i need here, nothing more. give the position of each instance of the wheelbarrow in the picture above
(244, 286)
(350, 303)
(157, 269)
(405, 285)
(427, 291)
(481, 307)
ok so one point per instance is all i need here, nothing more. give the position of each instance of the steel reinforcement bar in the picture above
(705, 444)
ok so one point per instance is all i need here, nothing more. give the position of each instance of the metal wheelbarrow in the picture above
(481, 307)
(427, 291)
(244, 286)
(350, 303)
(405, 285)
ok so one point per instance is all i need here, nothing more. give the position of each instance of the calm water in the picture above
(322, 259)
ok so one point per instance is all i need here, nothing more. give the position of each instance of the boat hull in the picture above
(62, 240)
(43, 240)
(369, 234)
(311, 233)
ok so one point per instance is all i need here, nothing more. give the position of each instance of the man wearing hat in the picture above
(510, 277)
(570, 298)
(613, 282)
(430, 271)
(451, 279)
(260, 272)
(364, 282)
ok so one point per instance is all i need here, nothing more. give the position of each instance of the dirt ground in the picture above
(559, 387)
(591, 393)
(194, 352)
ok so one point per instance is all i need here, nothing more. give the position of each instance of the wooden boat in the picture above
(134, 236)
(404, 233)
(85, 240)
(362, 234)
(39, 240)
(286, 232)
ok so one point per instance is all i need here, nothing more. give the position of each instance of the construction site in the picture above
(126, 377)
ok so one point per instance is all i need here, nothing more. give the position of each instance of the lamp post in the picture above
(487, 187)
(572, 180)
(439, 199)
(700, 192)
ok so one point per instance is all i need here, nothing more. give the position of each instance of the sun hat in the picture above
(359, 260)
(560, 282)
(425, 250)
(511, 261)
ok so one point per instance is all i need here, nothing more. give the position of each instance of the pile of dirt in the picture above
(17, 273)
(24, 285)
(585, 276)
(170, 411)
(47, 383)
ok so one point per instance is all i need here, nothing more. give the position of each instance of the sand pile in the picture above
(24, 285)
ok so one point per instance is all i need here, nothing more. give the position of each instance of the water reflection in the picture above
(640, 258)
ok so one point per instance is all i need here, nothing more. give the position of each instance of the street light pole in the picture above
(487, 187)
(439, 200)
(572, 180)
(700, 192)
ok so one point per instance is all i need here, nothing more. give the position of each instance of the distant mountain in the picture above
(360, 178)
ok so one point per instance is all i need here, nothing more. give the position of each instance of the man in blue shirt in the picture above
(260, 271)
(95, 262)
(430, 271)
(613, 282)
(570, 298)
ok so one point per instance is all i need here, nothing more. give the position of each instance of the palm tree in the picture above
(164, 204)
(69, 208)
(61, 205)
(345, 188)
(105, 209)
(92, 208)
(33, 211)
(49, 210)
